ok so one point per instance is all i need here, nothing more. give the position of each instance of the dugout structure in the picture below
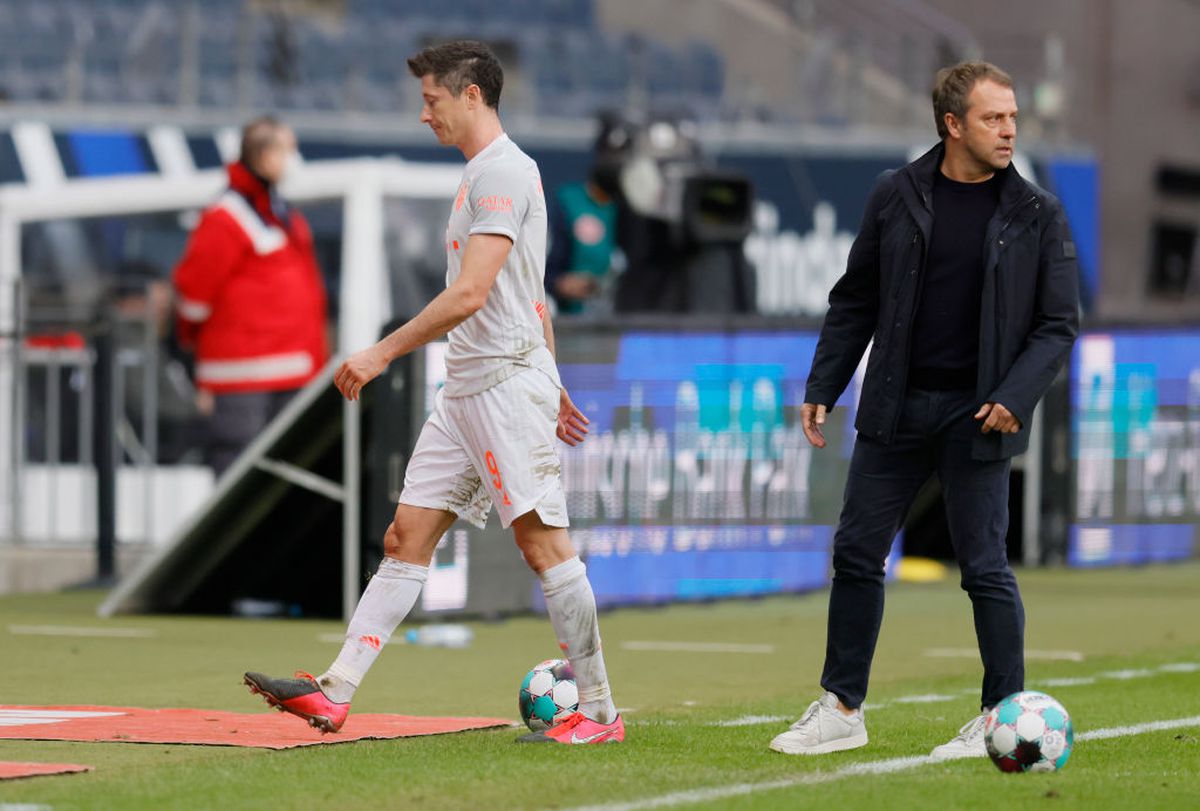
(363, 186)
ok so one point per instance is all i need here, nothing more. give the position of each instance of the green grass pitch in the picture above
(1127, 625)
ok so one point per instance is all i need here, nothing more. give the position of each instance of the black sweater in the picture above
(945, 330)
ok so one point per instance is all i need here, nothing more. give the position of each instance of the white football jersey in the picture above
(501, 193)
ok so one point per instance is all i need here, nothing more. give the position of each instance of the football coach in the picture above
(964, 281)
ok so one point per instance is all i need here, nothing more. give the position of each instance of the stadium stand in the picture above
(331, 57)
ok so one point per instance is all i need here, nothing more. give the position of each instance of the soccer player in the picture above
(491, 436)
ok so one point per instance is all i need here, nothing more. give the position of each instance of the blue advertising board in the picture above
(696, 481)
(1136, 436)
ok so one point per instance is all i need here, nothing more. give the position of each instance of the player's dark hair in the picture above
(953, 85)
(458, 65)
(257, 135)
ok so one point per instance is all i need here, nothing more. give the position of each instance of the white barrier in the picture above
(361, 184)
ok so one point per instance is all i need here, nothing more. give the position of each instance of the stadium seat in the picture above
(133, 52)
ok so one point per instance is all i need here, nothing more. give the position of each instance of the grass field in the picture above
(1137, 632)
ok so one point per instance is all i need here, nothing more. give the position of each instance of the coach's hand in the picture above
(358, 370)
(997, 418)
(812, 417)
(572, 425)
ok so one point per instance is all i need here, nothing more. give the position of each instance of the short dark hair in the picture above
(953, 85)
(257, 135)
(460, 64)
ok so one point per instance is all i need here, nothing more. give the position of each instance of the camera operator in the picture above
(681, 224)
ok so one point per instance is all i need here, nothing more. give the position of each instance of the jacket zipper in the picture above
(999, 308)
(1013, 216)
(907, 336)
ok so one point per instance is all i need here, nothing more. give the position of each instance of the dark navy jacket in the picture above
(1028, 318)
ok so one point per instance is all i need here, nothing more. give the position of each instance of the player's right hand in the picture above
(358, 370)
(812, 417)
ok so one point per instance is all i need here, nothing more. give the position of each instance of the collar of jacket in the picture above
(257, 191)
(1014, 189)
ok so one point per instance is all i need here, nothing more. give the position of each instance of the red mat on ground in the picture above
(267, 730)
(10, 769)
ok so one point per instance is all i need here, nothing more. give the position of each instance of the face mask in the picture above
(292, 162)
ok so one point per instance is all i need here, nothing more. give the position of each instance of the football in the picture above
(548, 694)
(1029, 732)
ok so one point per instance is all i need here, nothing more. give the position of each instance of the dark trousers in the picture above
(236, 420)
(934, 436)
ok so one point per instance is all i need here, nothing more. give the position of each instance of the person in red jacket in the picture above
(251, 301)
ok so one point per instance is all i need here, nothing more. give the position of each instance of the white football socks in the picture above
(387, 600)
(572, 608)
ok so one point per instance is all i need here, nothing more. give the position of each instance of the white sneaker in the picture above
(823, 728)
(967, 743)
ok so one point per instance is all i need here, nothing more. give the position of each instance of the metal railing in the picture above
(54, 462)
(910, 39)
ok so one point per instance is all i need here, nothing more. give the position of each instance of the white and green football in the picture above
(1029, 732)
(548, 694)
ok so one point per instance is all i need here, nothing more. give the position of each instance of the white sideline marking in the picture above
(1068, 682)
(1127, 674)
(71, 630)
(1055, 655)
(20, 718)
(932, 698)
(741, 789)
(696, 647)
(749, 720)
(1180, 667)
(973, 653)
(1138, 729)
(60, 715)
(1073, 681)
(873, 767)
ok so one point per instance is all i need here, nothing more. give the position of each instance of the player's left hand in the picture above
(997, 418)
(572, 424)
(358, 370)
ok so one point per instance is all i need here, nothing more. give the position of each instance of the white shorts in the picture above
(496, 447)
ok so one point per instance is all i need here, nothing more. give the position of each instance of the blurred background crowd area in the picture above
(756, 129)
(840, 62)
(1117, 81)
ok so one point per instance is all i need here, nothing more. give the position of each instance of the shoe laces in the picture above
(972, 728)
(570, 722)
(811, 712)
